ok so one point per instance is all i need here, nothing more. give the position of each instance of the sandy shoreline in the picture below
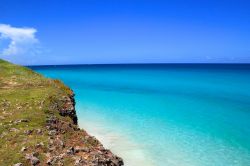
(120, 144)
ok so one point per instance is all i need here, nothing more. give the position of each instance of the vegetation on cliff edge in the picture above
(31, 122)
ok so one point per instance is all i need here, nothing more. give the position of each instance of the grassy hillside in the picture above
(37, 122)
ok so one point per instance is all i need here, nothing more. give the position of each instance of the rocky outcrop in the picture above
(69, 108)
(80, 147)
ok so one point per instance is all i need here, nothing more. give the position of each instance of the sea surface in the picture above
(164, 115)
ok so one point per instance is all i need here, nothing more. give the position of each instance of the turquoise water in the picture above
(164, 115)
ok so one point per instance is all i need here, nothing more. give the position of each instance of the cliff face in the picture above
(38, 123)
(80, 146)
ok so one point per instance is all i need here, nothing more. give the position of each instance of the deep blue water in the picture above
(164, 115)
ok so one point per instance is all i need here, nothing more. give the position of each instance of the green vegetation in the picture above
(38, 123)
(26, 100)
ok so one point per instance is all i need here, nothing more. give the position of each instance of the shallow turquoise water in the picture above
(164, 115)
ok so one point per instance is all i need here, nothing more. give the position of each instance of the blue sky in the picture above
(125, 31)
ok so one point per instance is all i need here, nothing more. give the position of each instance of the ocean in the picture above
(165, 114)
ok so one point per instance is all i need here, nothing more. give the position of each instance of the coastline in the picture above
(38, 119)
(119, 143)
(189, 134)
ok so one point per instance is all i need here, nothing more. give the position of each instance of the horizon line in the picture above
(168, 63)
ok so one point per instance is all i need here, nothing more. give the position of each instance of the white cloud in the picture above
(22, 40)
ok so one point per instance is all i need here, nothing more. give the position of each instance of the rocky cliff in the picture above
(38, 123)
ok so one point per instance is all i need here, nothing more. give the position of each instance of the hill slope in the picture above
(38, 123)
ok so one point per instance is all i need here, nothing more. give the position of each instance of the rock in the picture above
(55, 159)
(79, 161)
(18, 164)
(61, 156)
(39, 145)
(118, 161)
(77, 149)
(34, 161)
(71, 151)
(21, 120)
(39, 131)
(28, 132)
(7, 113)
(23, 149)
(14, 130)
(52, 120)
(62, 144)
(51, 141)
(50, 161)
(101, 148)
(69, 108)
(51, 149)
(81, 149)
(28, 156)
(52, 132)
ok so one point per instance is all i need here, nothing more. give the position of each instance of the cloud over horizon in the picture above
(20, 40)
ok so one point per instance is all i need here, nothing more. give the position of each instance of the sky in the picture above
(47, 32)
